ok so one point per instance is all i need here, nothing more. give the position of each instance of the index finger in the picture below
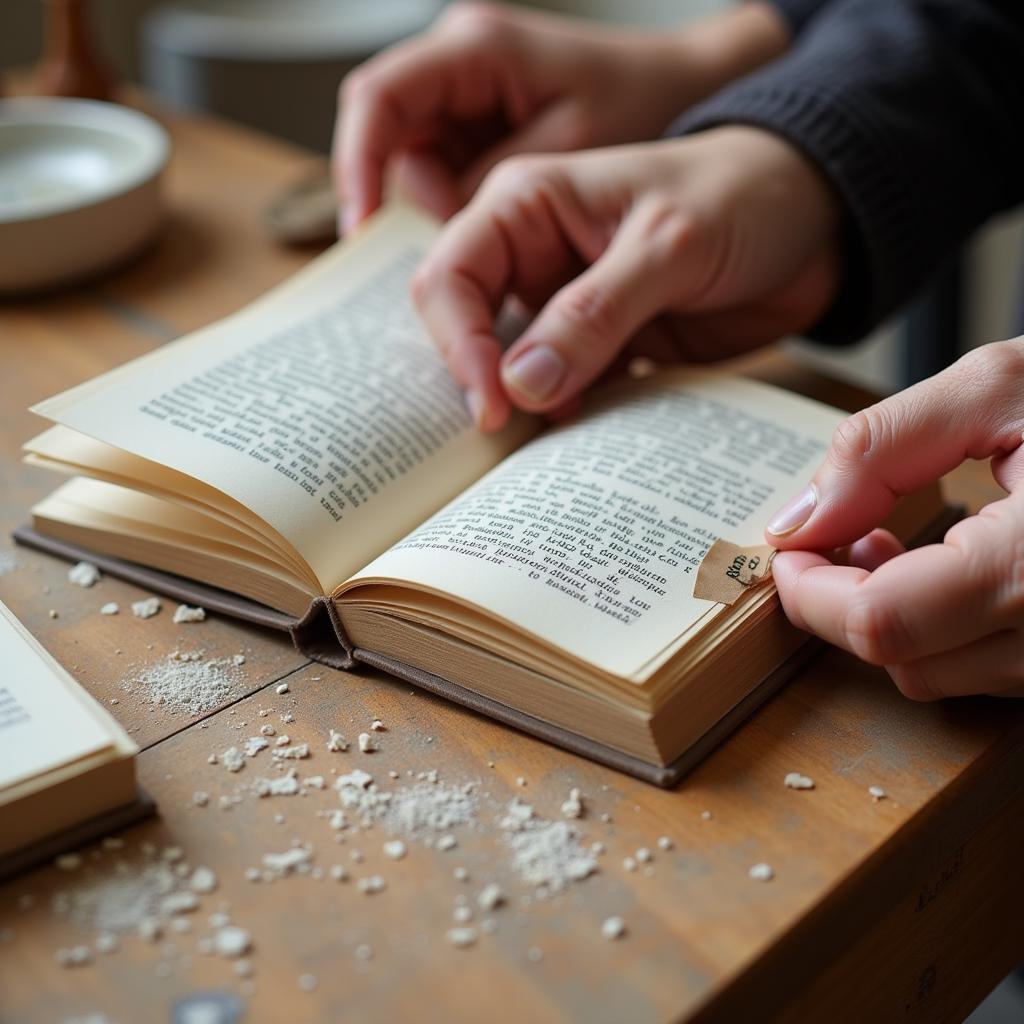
(394, 101)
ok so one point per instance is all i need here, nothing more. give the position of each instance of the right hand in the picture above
(488, 82)
(693, 248)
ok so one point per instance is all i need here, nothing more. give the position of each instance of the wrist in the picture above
(709, 53)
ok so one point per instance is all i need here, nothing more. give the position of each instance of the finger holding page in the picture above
(974, 409)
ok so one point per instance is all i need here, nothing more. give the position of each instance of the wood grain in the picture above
(907, 908)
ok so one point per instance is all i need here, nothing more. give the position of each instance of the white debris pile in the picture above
(794, 780)
(428, 807)
(185, 683)
(544, 853)
(146, 608)
(185, 615)
(84, 574)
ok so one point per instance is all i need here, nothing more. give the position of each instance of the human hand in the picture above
(729, 237)
(487, 82)
(946, 619)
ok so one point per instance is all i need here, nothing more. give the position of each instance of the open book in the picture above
(67, 773)
(311, 454)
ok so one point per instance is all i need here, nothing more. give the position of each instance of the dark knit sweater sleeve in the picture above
(914, 109)
(796, 13)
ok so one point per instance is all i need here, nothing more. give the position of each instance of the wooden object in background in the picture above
(71, 64)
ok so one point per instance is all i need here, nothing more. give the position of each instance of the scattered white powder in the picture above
(573, 806)
(877, 793)
(284, 785)
(338, 873)
(8, 562)
(69, 861)
(666, 844)
(430, 807)
(183, 615)
(307, 982)
(185, 684)
(367, 744)
(794, 780)
(146, 608)
(371, 885)
(179, 903)
(233, 759)
(446, 842)
(629, 863)
(613, 928)
(545, 853)
(110, 608)
(705, 815)
(200, 798)
(364, 953)
(761, 872)
(395, 849)
(84, 574)
(643, 855)
(238, 660)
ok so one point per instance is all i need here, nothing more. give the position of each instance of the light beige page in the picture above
(43, 722)
(590, 536)
(322, 407)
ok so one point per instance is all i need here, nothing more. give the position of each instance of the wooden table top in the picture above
(905, 908)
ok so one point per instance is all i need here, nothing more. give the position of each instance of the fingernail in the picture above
(794, 513)
(537, 373)
(476, 406)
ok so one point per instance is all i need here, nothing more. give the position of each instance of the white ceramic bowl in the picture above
(79, 189)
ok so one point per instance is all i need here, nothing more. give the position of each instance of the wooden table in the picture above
(904, 909)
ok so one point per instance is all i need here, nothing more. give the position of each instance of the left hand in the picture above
(946, 619)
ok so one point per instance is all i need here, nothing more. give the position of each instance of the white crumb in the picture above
(461, 938)
(254, 744)
(613, 928)
(377, 726)
(307, 982)
(877, 793)
(462, 914)
(460, 874)
(364, 952)
(238, 660)
(336, 742)
(394, 849)
(446, 842)
(705, 815)
(371, 884)
(794, 780)
(761, 872)
(573, 806)
(338, 873)
(203, 880)
(629, 863)
(664, 843)
(283, 740)
(367, 744)
(69, 861)
(490, 897)
(84, 574)
(110, 608)
(107, 943)
(643, 855)
(297, 751)
(267, 730)
(146, 608)
(184, 614)
(232, 941)
(282, 688)
(233, 759)
(535, 954)
(295, 859)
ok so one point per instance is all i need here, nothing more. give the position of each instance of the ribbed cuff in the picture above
(879, 223)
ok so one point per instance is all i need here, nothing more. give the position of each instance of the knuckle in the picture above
(523, 176)
(358, 86)
(480, 20)
(874, 630)
(859, 436)
(998, 363)
(589, 306)
(673, 233)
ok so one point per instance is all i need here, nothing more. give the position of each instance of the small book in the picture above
(308, 463)
(67, 774)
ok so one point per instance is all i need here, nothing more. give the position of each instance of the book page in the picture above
(322, 407)
(43, 723)
(590, 537)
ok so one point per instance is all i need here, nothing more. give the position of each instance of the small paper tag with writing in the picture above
(728, 571)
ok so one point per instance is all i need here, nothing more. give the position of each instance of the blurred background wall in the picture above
(275, 64)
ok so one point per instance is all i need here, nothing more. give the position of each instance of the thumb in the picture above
(972, 410)
(584, 326)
